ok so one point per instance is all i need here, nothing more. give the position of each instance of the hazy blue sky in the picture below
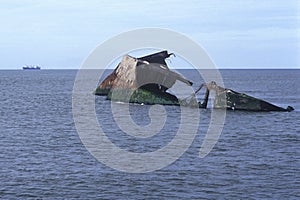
(236, 34)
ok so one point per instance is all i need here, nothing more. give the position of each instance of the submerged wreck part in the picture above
(142, 80)
(232, 100)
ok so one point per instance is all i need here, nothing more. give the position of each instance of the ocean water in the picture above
(41, 155)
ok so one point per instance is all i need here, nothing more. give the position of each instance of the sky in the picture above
(235, 34)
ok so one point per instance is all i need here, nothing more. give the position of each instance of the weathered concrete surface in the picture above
(142, 80)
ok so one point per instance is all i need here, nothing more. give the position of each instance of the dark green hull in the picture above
(240, 101)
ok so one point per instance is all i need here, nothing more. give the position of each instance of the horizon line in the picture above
(232, 68)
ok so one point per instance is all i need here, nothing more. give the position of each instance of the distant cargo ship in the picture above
(31, 67)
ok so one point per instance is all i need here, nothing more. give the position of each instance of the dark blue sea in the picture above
(42, 156)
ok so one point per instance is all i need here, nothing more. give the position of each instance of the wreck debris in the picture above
(145, 80)
(232, 100)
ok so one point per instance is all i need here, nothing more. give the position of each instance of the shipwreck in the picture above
(146, 80)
